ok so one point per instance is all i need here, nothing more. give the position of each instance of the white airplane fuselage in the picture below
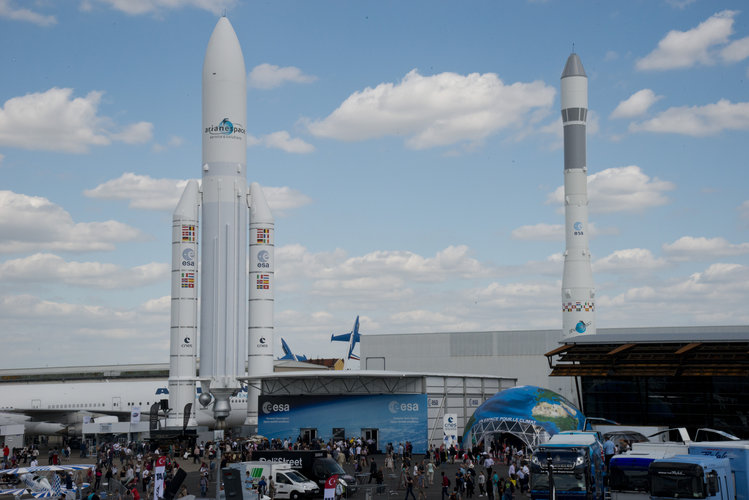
(68, 401)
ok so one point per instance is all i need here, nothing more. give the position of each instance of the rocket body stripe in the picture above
(578, 294)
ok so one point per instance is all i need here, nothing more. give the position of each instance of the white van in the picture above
(289, 482)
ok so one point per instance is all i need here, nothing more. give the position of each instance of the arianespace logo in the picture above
(396, 407)
(269, 407)
(225, 129)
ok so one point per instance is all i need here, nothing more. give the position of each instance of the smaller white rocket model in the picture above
(227, 339)
(578, 294)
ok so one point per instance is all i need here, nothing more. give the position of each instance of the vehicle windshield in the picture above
(332, 467)
(628, 479)
(562, 482)
(565, 459)
(676, 486)
(295, 476)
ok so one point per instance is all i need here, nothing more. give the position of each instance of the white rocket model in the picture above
(225, 202)
(262, 276)
(223, 293)
(578, 294)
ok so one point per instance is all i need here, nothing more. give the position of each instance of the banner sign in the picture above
(396, 418)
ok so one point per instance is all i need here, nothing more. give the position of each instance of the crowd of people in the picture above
(126, 471)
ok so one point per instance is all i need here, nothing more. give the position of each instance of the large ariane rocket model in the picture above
(578, 294)
(225, 201)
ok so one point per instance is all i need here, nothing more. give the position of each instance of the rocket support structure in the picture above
(578, 294)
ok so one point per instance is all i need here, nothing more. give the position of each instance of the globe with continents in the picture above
(529, 403)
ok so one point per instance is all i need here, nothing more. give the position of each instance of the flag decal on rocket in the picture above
(263, 236)
(188, 280)
(188, 232)
(263, 282)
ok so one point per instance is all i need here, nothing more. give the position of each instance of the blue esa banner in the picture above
(397, 417)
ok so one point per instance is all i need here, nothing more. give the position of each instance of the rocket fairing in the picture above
(223, 317)
(262, 277)
(578, 294)
(184, 310)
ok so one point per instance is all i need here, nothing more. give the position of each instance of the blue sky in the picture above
(410, 151)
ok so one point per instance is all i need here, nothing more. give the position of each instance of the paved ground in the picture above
(392, 490)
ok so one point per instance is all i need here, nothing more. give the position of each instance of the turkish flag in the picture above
(330, 485)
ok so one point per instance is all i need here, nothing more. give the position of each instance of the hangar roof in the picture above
(696, 351)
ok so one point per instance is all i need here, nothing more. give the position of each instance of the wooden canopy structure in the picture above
(645, 357)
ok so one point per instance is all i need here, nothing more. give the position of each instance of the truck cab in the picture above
(691, 476)
(576, 464)
(628, 472)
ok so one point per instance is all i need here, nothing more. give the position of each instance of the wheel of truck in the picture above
(294, 495)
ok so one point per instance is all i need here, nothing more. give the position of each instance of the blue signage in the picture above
(397, 418)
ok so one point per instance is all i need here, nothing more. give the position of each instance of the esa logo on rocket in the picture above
(188, 257)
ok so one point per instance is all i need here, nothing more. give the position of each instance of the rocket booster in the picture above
(578, 294)
(223, 317)
(184, 310)
(262, 284)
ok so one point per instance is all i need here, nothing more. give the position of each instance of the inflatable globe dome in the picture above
(524, 409)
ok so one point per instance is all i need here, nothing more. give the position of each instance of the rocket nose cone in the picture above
(188, 203)
(223, 56)
(574, 67)
(259, 211)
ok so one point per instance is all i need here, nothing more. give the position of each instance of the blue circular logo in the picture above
(263, 256)
(188, 254)
(578, 226)
(580, 327)
(227, 125)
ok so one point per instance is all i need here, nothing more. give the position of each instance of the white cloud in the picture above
(55, 121)
(48, 269)
(620, 189)
(33, 223)
(736, 51)
(283, 141)
(381, 276)
(137, 133)
(539, 232)
(146, 193)
(636, 104)
(269, 76)
(701, 248)
(611, 55)
(137, 7)
(173, 142)
(629, 260)
(684, 49)
(142, 191)
(437, 110)
(680, 4)
(744, 210)
(8, 10)
(283, 199)
(698, 121)
(553, 232)
(26, 322)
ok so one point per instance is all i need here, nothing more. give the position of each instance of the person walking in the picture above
(409, 486)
